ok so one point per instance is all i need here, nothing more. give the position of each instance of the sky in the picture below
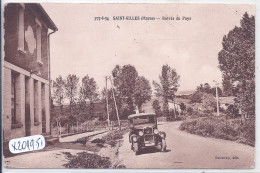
(83, 46)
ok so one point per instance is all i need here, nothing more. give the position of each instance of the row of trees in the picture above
(130, 91)
(77, 95)
(204, 91)
(206, 88)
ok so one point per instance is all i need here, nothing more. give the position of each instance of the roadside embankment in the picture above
(239, 130)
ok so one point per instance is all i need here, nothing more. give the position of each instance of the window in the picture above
(13, 98)
(16, 100)
(38, 41)
(21, 27)
(144, 119)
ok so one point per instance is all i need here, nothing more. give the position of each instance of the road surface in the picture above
(185, 150)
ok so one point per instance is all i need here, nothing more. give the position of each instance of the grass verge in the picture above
(111, 138)
(242, 131)
(85, 139)
(107, 156)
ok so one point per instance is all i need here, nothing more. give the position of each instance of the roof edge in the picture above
(50, 23)
(140, 114)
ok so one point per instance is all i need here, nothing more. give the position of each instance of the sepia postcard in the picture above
(128, 85)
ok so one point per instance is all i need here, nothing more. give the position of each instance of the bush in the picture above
(247, 132)
(180, 118)
(242, 131)
(82, 140)
(232, 111)
(190, 110)
(208, 113)
(98, 140)
(87, 160)
(112, 137)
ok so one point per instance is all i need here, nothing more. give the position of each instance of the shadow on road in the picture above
(151, 150)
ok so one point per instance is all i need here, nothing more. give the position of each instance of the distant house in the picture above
(198, 106)
(224, 102)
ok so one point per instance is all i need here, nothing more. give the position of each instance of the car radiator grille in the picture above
(148, 138)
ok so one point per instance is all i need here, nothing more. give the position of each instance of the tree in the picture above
(124, 79)
(168, 86)
(200, 87)
(82, 106)
(157, 108)
(228, 87)
(89, 91)
(196, 97)
(206, 88)
(182, 107)
(58, 91)
(71, 89)
(142, 91)
(213, 92)
(103, 94)
(208, 101)
(232, 111)
(237, 62)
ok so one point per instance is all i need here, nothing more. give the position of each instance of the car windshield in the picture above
(144, 120)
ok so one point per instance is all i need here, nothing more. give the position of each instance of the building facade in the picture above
(26, 70)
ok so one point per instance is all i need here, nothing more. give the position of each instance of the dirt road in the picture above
(189, 151)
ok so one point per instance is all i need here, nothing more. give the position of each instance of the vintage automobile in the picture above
(144, 132)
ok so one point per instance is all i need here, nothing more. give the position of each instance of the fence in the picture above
(87, 126)
(162, 119)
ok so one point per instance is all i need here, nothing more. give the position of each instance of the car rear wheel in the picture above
(163, 149)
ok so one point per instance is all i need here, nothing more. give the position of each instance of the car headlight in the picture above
(155, 131)
(134, 138)
(141, 133)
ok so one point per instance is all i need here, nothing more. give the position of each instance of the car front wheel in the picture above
(163, 149)
(135, 148)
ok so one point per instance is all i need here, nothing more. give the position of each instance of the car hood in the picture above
(142, 126)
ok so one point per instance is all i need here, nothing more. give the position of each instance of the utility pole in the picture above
(173, 100)
(217, 97)
(108, 118)
(112, 87)
(137, 110)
